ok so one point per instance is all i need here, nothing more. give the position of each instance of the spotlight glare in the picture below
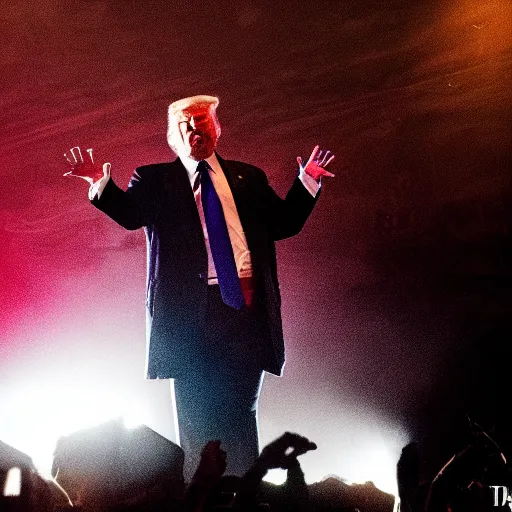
(132, 420)
(12, 485)
(41, 414)
(373, 466)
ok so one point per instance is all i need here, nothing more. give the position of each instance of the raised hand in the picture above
(212, 464)
(284, 450)
(317, 163)
(84, 166)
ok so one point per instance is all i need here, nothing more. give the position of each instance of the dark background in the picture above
(397, 293)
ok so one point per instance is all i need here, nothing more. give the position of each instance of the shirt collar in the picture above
(191, 165)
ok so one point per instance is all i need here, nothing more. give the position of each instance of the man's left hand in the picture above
(317, 163)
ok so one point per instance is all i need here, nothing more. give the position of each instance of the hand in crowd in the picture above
(209, 471)
(83, 166)
(212, 464)
(408, 467)
(284, 450)
(463, 467)
(317, 163)
(484, 442)
(408, 478)
(464, 470)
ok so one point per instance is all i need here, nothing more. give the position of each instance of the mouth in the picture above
(195, 139)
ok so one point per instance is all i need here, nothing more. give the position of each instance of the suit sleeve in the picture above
(287, 217)
(133, 208)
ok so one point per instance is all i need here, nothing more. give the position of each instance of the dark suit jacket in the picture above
(160, 199)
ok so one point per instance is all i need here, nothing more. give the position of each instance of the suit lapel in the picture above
(244, 206)
(181, 183)
(181, 197)
(234, 183)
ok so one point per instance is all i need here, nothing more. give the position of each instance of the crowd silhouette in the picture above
(113, 469)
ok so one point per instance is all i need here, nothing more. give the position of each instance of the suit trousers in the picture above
(218, 398)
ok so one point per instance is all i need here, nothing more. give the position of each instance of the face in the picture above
(194, 134)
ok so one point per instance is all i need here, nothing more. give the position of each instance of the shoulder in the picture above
(155, 169)
(153, 172)
(245, 170)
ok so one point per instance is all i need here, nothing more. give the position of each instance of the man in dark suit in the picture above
(213, 301)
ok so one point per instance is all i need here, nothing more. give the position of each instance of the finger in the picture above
(292, 441)
(312, 446)
(325, 156)
(89, 151)
(327, 173)
(299, 161)
(303, 444)
(71, 157)
(314, 154)
(77, 154)
(287, 438)
(72, 173)
(302, 449)
(86, 178)
(287, 461)
(328, 161)
(70, 160)
(297, 451)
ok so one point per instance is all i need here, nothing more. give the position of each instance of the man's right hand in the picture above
(83, 166)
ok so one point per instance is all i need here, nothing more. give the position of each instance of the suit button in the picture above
(202, 275)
